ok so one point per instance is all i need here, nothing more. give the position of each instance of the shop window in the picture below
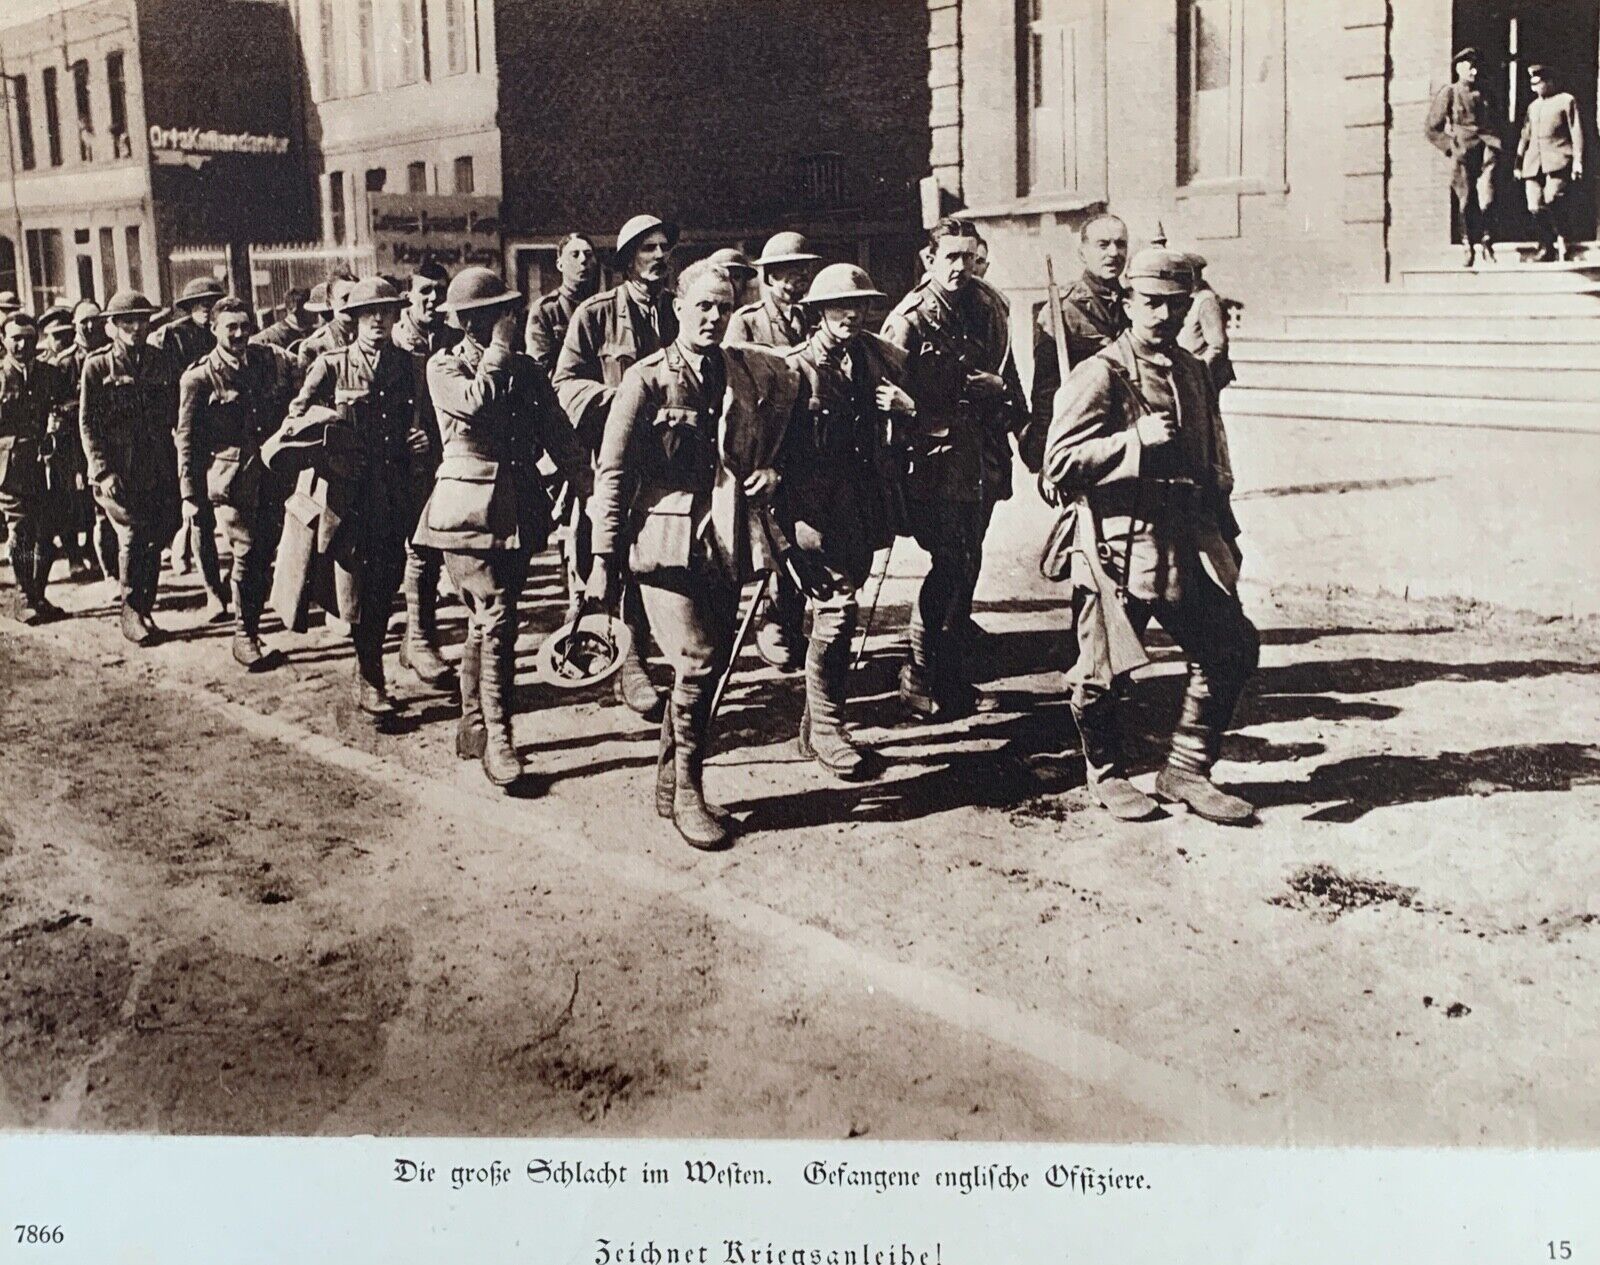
(416, 177)
(117, 89)
(80, 99)
(336, 217)
(457, 37)
(327, 51)
(1230, 90)
(24, 111)
(46, 267)
(108, 261)
(408, 50)
(135, 254)
(52, 115)
(366, 47)
(464, 181)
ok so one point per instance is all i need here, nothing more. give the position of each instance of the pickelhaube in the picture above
(477, 287)
(841, 283)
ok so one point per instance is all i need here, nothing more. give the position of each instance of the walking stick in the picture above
(872, 607)
(763, 590)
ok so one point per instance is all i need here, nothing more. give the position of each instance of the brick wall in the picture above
(704, 110)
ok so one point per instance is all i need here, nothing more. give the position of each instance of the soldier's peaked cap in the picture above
(1468, 53)
(372, 292)
(56, 318)
(842, 283)
(1158, 271)
(475, 287)
(129, 303)
(633, 232)
(9, 301)
(199, 289)
(786, 248)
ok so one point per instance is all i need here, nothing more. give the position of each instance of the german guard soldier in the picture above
(960, 372)
(1137, 446)
(1461, 124)
(228, 404)
(32, 393)
(1549, 159)
(1090, 315)
(549, 317)
(186, 340)
(832, 496)
(127, 401)
(420, 332)
(778, 319)
(488, 512)
(363, 399)
(687, 458)
(610, 332)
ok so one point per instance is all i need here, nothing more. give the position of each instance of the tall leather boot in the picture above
(247, 602)
(419, 648)
(24, 568)
(145, 562)
(1544, 232)
(470, 736)
(700, 825)
(822, 733)
(1186, 779)
(372, 691)
(126, 573)
(1104, 766)
(917, 674)
(634, 688)
(501, 764)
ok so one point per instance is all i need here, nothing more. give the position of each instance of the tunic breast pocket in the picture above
(614, 361)
(469, 496)
(675, 434)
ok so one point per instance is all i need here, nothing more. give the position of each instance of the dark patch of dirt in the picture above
(62, 985)
(220, 1042)
(1324, 892)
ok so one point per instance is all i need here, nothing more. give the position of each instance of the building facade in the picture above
(137, 126)
(1282, 140)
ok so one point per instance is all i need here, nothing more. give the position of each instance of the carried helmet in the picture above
(584, 651)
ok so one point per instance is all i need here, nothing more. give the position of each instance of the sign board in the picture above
(454, 229)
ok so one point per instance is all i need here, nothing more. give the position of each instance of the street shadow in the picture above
(1350, 789)
(1305, 636)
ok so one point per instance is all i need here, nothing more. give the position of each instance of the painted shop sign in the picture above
(453, 229)
(198, 140)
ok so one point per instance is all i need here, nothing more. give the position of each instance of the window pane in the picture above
(1208, 73)
(1213, 44)
(1261, 141)
(117, 86)
(52, 115)
(135, 258)
(328, 49)
(377, 178)
(366, 46)
(336, 225)
(80, 97)
(24, 122)
(456, 36)
(409, 48)
(464, 175)
(416, 177)
(108, 261)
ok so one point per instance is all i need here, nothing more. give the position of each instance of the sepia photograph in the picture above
(1007, 571)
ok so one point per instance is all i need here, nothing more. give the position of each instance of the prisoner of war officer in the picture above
(960, 371)
(32, 395)
(1137, 446)
(228, 404)
(371, 387)
(689, 445)
(127, 403)
(421, 331)
(833, 495)
(488, 512)
(549, 317)
(610, 332)
(778, 319)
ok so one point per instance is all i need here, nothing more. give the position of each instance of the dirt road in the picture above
(228, 905)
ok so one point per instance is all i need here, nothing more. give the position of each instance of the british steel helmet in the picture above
(842, 283)
(200, 290)
(371, 292)
(633, 232)
(786, 248)
(475, 287)
(584, 651)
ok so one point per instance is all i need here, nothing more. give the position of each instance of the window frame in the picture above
(50, 83)
(23, 109)
(1274, 179)
(83, 106)
(338, 211)
(470, 167)
(117, 96)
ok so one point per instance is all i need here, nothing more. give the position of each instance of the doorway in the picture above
(1510, 36)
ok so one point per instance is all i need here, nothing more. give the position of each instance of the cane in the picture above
(763, 590)
(872, 607)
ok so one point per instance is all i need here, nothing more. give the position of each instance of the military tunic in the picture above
(335, 334)
(548, 322)
(285, 335)
(85, 511)
(609, 333)
(767, 325)
(184, 341)
(1461, 124)
(1091, 315)
(31, 400)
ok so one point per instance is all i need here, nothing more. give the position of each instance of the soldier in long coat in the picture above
(32, 395)
(688, 453)
(420, 332)
(228, 405)
(127, 402)
(609, 333)
(960, 371)
(1138, 451)
(489, 512)
(1462, 125)
(833, 497)
(355, 427)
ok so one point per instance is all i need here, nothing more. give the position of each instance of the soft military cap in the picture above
(635, 229)
(55, 318)
(842, 283)
(370, 293)
(318, 302)
(198, 290)
(1158, 271)
(129, 303)
(786, 248)
(478, 288)
(733, 260)
(9, 301)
